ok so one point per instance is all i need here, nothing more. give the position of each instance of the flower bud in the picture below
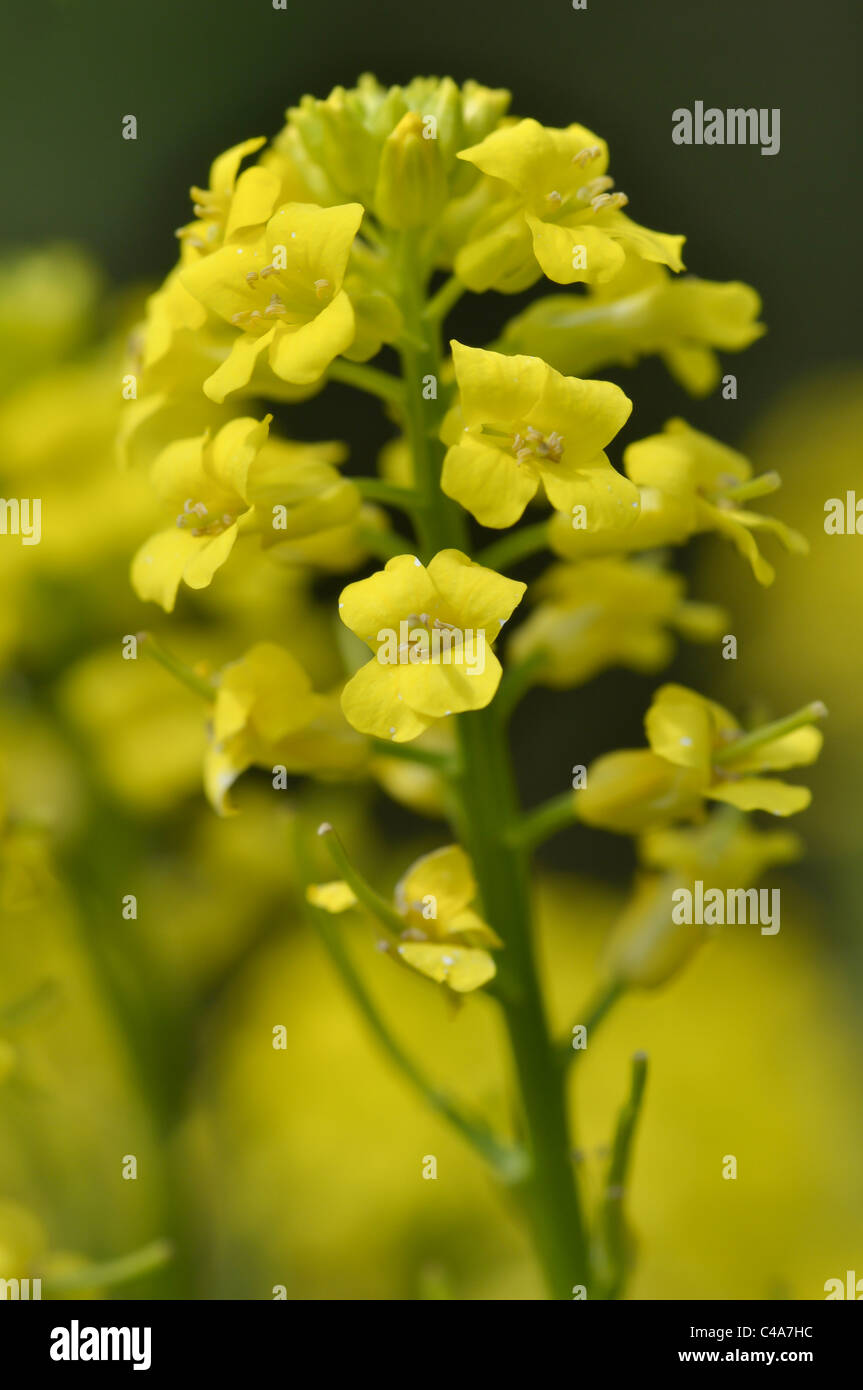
(646, 947)
(411, 185)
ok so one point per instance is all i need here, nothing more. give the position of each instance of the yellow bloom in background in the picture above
(281, 289)
(443, 938)
(643, 311)
(417, 785)
(48, 300)
(266, 714)
(646, 948)
(603, 613)
(692, 756)
(687, 483)
(142, 731)
(431, 630)
(23, 1242)
(520, 424)
(572, 221)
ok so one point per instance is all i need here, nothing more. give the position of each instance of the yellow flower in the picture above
(697, 751)
(266, 714)
(643, 311)
(237, 482)
(281, 289)
(687, 483)
(443, 937)
(603, 613)
(646, 947)
(48, 298)
(520, 424)
(573, 223)
(230, 204)
(431, 630)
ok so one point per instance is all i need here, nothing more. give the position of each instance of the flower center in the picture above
(196, 518)
(533, 444)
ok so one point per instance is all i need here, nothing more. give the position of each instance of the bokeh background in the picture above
(152, 1037)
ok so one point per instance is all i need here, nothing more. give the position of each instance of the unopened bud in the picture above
(411, 185)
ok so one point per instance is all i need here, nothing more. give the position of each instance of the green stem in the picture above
(515, 546)
(613, 1223)
(111, 1272)
(379, 490)
(198, 684)
(363, 891)
(444, 299)
(601, 1004)
(747, 743)
(517, 681)
(443, 763)
(487, 803)
(366, 378)
(507, 1160)
(546, 820)
(383, 544)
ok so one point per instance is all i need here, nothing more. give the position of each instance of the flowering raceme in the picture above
(337, 251)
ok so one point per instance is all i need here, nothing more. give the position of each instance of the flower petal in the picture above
(762, 794)
(461, 968)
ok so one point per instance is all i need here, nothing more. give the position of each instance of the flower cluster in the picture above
(350, 238)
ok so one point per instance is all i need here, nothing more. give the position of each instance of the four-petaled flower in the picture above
(459, 607)
(282, 291)
(520, 424)
(561, 211)
(443, 937)
(266, 714)
(692, 758)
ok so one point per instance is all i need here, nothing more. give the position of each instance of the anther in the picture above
(585, 156)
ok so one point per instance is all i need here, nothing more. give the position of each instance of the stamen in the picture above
(609, 200)
(594, 187)
(585, 156)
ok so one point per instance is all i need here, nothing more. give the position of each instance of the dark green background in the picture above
(203, 74)
(200, 75)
